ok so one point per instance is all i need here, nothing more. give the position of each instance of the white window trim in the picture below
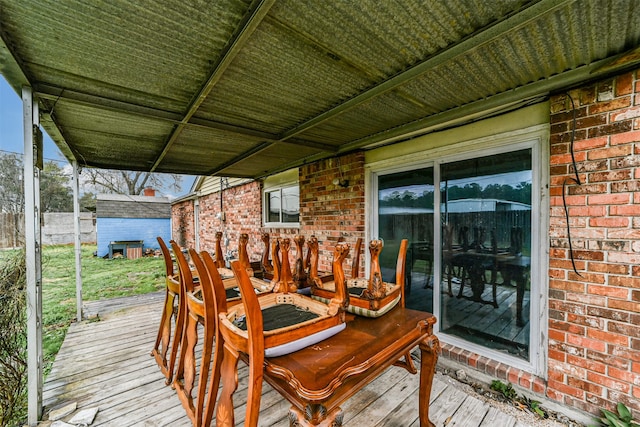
(536, 138)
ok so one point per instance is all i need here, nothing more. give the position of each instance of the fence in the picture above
(57, 229)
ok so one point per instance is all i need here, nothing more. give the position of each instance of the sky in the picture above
(11, 139)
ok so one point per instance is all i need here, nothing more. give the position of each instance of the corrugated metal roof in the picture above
(250, 88)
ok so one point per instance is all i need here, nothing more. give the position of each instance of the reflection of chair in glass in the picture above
(450, 267)
(163, 339)
(371, 297)
(274, 325)
(419, 251)
(474, 263)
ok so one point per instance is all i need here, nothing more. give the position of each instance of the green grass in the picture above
(101, 279)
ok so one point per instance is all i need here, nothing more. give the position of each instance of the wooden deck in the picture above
(106, 364)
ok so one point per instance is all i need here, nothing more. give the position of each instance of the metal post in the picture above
(77, 240)
(32, 152)
(196, 222)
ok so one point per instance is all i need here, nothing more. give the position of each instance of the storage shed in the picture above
(123, 221)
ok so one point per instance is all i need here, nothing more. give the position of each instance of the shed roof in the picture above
(242, 88)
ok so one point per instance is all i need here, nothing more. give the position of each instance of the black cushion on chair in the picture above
(280, 316)
(232, 293)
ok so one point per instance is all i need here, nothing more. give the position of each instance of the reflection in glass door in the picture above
(405, 211)
(485, 208)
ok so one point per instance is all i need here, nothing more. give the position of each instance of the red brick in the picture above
(539, 385)
(624, 305)
(625, 138)
(610, 129)
(626, 329)
(566, 389)
(610, 152)
(614, 104)
(609, 199)
(629, 282)
(587, 364)
(624, 84)
(609, 222)
(608, 382)
(608, 268)
(623, 375)
(587, 343)
(590, 144)
(610, 291)
(608, 337)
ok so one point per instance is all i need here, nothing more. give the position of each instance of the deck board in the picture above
(107, 363)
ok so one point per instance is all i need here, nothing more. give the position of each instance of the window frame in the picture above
(534, 138)
(265, 213)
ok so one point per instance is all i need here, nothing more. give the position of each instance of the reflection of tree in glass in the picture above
(520, 193)
(408, 199)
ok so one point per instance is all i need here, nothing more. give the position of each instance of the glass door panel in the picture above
(485, 213)
(405, 211)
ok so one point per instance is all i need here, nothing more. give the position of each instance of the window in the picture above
(475, 256)
(282, 206)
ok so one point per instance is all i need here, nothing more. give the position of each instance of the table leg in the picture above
(315, 415)
(429, 351)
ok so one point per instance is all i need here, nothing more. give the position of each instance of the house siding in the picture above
(593, 331)
(130, 217)
(116, 229)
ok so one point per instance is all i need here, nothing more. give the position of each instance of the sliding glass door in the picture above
(477, 276)
(405, 211)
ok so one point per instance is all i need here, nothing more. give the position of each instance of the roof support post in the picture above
(196, 221)
(33, 246)
(77, 239)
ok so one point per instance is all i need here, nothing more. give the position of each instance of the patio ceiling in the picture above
(249, 88)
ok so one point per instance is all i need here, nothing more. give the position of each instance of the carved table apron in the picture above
(317, 379)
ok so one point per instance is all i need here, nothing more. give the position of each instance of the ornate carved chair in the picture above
(266, 265)
(371, 297)
(196, 301)
(229, 280)
(171, 301)
(272, 325)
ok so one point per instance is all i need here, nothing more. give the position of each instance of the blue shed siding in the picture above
(146, 229)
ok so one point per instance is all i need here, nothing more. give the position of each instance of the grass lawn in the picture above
(101, 279)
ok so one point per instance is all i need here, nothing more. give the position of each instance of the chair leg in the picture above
(254, 393)
(229, 376)
(185, 372)
(203, 378)
(209, 408)
(177, 339)
(161, 347)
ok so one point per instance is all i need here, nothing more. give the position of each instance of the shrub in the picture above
(622, 419)
(13, 339)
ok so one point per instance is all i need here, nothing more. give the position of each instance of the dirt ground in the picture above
(520, 412)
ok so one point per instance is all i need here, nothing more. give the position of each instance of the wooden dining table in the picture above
(318, 379)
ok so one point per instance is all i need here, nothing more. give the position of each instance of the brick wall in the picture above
(594, 314)
(327, 210)
(182, 225)
(330, 211)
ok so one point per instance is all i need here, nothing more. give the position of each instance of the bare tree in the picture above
(11, 184)
(128, 182)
